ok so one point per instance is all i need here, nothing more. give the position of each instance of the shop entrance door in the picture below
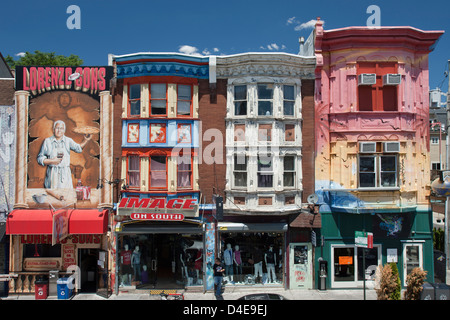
(88, 269)
(161, 269)
(412, 258)
(102, 274)
(300, 262)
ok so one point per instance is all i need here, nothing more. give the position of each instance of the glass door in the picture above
(412, 258)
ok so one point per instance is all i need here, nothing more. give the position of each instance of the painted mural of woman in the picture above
(55, 154)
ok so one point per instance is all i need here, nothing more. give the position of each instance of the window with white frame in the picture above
(240, 100)
(265, 99)
(288, 100)
(265, 171)
(378, 170)
(134, 100)
(133, 171)
(289, 171)
(158, 100)
(184, 100)
(240, 170)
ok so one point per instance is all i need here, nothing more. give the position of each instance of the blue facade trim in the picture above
(181, 66)
(171, 133)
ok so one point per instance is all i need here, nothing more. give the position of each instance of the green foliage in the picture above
(44, 59)
(396, 293)
(438, 239)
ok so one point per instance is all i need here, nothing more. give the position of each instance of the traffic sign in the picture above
(364, 239)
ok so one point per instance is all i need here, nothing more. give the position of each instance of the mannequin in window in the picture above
(258, 260)
(144, 274)
(198, 264)
(184, 271)
(125, 261)
(136, 263)
(237, 263)
(270, 260)
(228, 260)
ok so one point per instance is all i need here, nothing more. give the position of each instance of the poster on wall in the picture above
(394, 226)
(64, 124)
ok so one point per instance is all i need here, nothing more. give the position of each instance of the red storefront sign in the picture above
(157, 204)
(157, 216)
(158, 208)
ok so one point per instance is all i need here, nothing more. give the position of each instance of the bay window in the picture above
(184, 172)
(134, 99)
(240, 171)
(133, 171)
(289, 171)
(265, 99)
(158, 100)
(158, 172)
(288, 100)
(240, 100)
(265, 171)
(184, 100)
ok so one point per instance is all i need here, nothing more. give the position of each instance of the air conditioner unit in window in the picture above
(367, 79)
(391, 147)
(367, 147)
(392, 79)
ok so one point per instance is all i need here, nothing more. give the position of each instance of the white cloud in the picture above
(193, 51)
(273, 47)
(291, 21)
(20, 54)
(306, 25)
(186, 49)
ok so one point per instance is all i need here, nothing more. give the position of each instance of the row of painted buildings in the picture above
(270, 161)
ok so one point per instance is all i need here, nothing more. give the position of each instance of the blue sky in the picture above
(203, 26)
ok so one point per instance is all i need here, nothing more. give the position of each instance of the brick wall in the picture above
(117, 136)
(308, 153)
(212, 116)
(6, 92)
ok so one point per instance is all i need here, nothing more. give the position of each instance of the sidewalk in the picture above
(231, 293)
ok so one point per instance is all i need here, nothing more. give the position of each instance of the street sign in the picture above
(364, 239)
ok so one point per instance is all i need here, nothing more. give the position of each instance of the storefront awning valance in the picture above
(30, 221)
(88, 222)
(252, 227)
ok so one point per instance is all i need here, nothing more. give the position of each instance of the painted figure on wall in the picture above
(55, 154)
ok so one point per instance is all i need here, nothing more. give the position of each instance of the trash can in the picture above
(427, 292)
(441, 291)
(64, 292)
(40, 289)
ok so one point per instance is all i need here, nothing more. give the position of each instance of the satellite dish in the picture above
(313, 198)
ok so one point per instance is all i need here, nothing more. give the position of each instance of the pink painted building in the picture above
(372, 147)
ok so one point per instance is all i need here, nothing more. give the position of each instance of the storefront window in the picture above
(344, 264)
(371, 256)
(161, 260)
(41, 251)
(253, 258)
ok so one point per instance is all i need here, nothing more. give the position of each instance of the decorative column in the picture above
(22, 99)
(106, 152)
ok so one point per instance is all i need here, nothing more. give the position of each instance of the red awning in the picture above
(88, 221)
(30, 221)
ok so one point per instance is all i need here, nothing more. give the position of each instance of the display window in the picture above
(253, 258)
(160, 260)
